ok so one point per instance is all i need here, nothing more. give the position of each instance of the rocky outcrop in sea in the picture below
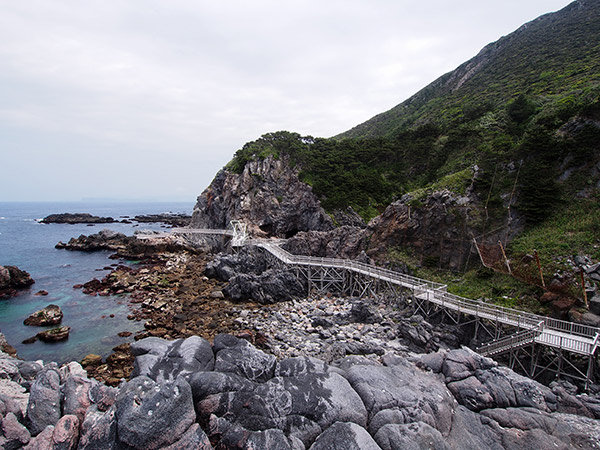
(12, 279)
(73, 218)
(228, 394)
(127, 246)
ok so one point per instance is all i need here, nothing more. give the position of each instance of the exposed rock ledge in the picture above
(231, 395)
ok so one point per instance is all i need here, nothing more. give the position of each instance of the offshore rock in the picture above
(76, 218)
(55, 334)
(12, 279)
(175, 220)
(50, 315)
(126, 246)
(267, 195)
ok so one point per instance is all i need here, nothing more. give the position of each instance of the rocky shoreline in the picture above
(304, 373)
(228, 394)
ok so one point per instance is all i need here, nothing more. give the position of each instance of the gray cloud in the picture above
(150, 98)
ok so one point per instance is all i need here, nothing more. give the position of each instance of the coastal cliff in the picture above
(267, 195)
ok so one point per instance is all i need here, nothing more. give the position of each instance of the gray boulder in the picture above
(347, 436)
(66, 433)
(240, 357)
(77, 396)
(234, 436)
(193, 439)
(419, 395)
(411, 436)
(99, 430)
(271, 286)
(14, 435)
(204, 384)
(178, 358)
(145, 409)
(44, 407)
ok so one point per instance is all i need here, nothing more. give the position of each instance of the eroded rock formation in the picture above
(267, 195)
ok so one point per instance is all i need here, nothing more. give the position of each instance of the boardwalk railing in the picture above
(573, 337)
(557, 333)
(511, 342)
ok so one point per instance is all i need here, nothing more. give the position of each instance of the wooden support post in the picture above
(537, 261)
(479, 253)
(504, 255)
(585, 299)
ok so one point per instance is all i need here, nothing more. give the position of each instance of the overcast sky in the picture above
(148, 99)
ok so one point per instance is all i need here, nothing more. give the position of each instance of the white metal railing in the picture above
(557, 333)
(513, 341)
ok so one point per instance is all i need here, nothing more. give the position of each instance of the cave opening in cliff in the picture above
(267, 228)
(291, 233)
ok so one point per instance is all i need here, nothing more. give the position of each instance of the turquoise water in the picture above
(28, 244)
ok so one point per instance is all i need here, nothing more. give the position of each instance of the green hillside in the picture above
(530, 99)
(554, 60)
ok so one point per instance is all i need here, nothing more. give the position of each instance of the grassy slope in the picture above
(554, 58)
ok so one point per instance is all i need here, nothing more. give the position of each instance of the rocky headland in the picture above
(267, 194)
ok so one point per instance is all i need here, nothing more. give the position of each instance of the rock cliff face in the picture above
(439, 231)
(267, 195)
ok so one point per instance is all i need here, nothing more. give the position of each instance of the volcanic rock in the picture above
(266, 195)
(50, 315)
(76, 218)
(11, 279)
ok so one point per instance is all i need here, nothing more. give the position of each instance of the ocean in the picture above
(29, 245)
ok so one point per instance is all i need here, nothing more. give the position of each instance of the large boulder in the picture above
(417, 395)
(346, 435)
(44, 407)
(164, 361)
(269, 287)
(146, 409)
(238, 356)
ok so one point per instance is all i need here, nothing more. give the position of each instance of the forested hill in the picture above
(553, 59)
(530, 99)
